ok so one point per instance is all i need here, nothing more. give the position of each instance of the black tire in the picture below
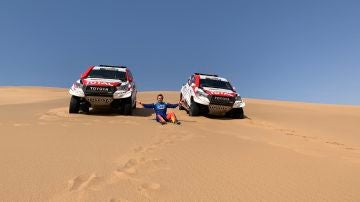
(194, 109)
(127, 109)
(134, 106)
(74, 105)
(120, 110)
(237, 113)
(85, 108)
(126, 106)
(180, 105)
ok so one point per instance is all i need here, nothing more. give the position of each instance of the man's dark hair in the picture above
(160, 95)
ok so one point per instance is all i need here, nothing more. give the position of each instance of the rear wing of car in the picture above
(214, 75)
(87, 72)
(115, 66)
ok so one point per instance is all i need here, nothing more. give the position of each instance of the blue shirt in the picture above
(160, 108)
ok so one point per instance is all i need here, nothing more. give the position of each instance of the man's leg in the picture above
(172, 117)
(160, 119)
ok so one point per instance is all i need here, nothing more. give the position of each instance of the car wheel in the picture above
(180, 105)
(127, 107)
(74, 105)
(238, 113)
(134, 102)
(120, 110)
(85, 108)
(194, 109)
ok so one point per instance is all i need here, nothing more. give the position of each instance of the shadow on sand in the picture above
(141, 112)
(223, 117)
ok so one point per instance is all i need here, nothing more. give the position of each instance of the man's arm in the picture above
(171, 105)
(146, 105)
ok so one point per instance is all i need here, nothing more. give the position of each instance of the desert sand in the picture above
(281, 151)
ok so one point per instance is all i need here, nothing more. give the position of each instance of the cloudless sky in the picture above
(303, 50)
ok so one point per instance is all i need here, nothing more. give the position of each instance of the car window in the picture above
(192, 80)
(107, 74)
(130, 75)
(212, 83)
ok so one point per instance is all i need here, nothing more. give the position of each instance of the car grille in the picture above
(99, 100)
(218, 100)
(99, 90)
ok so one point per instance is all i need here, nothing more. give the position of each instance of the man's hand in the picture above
(139, 102)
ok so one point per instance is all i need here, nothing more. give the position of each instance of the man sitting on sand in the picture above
(160, 108)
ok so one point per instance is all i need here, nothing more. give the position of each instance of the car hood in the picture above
(219, 92)
(101, 82)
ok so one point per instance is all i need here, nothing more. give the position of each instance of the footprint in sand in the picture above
(151, 148)
(288, 133)
(21, 124)
(335, 143)
(350, 148)
(129, 173)
(164, 142)
(118, 200)
(85, 181)
(133, 166)
(130, 163)
(157, 145)
(127, 170)
(139, 149)
(146, 188)
(157, 164)
(284, 131)
(150, 186)
(293, 133)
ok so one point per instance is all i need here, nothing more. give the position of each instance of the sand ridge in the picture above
(281, 151)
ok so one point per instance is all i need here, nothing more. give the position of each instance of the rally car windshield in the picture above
(107, 74)
(211, 83)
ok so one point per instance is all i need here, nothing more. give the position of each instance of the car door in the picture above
(187, 90)
(133, 85)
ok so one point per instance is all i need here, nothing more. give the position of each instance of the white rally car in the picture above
(104, 86)
(210, 94)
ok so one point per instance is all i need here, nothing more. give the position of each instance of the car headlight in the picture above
(201, 93)
(77, 85)
(238, 98)
(125, 87)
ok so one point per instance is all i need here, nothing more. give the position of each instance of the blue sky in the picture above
(281, 49)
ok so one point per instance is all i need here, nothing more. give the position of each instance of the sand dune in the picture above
(282, 151)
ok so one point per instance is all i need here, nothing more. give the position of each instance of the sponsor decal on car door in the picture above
(188, 93)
